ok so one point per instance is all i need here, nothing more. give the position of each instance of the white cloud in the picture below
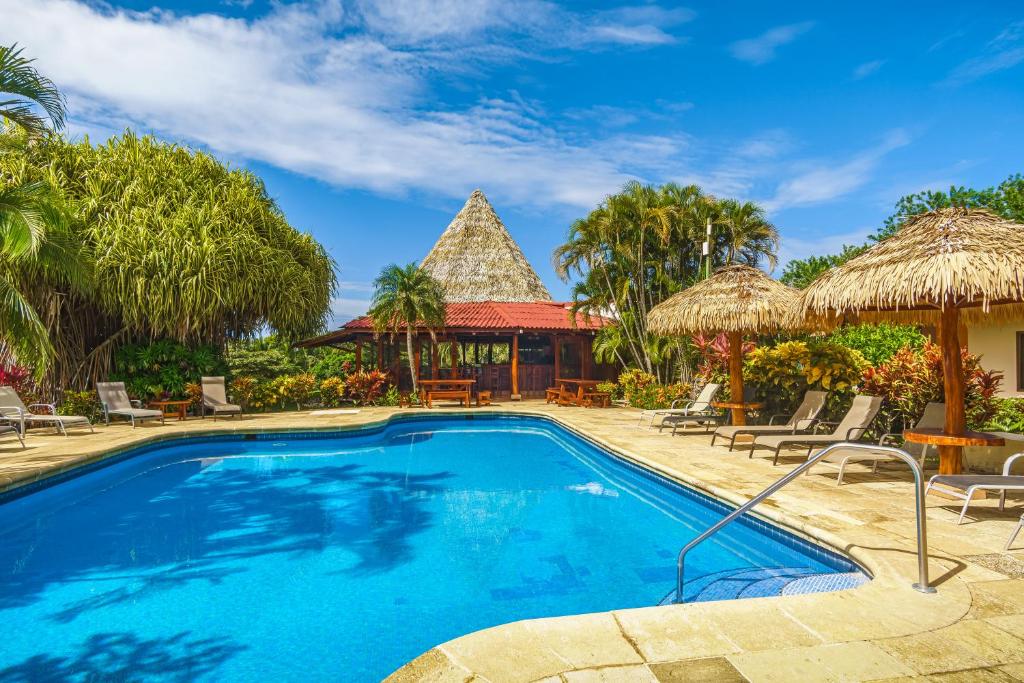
(761, 49)
(321, 90)
(867, 68)
(822, 182)
(1005, 51)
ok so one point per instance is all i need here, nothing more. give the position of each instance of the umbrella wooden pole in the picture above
(739, 416)
(951, 457)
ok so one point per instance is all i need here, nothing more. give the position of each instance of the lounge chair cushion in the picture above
(137, 413)
(989, 481)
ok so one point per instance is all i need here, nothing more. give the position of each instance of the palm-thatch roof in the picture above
(476, 259)
(970, 258)
(735, 299)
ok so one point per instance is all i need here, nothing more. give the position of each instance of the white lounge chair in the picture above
(933, 417)
(701, 404)
(215, 398)
(1009, 541)
(853, 425)
(4, 429)
(114, 398)
(802, 419)
(15, 410)
(963, 486)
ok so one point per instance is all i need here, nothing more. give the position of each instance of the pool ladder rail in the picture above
(676, 595)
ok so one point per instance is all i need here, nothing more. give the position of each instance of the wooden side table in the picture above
(739, 410)
(937, 437)
(171, 408)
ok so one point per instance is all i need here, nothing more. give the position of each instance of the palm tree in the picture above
(751, 237)
(33, 229)
(22, 89)
(407, 297)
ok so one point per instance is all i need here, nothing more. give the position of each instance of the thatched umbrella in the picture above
(736, 300)
(942, 267)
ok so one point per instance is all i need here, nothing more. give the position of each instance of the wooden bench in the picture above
(552, 394)
(483, 398)
(462, 395)
(601, 399)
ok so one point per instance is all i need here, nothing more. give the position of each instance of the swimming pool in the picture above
(340, 556)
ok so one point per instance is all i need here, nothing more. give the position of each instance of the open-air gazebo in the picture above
(502, 327)
(942, 268)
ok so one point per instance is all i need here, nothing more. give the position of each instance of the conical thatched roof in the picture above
(734, 299)
(968, 256)
(475, 259)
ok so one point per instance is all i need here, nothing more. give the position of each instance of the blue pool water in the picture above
(340, 557)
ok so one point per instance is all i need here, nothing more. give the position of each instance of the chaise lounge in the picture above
(853, 425)
(215, 398)
(802, 420)
(15, 410)
(114, 398)
(700, 405)
(963, 486)
(934, 416)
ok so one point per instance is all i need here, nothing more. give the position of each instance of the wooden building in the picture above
(501, 326)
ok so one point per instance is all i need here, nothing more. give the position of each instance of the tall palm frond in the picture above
(30, 89)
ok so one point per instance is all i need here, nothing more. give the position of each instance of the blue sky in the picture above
(371, 122)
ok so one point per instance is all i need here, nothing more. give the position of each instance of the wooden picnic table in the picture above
(171, 408)
(576, 396)
(446, 388)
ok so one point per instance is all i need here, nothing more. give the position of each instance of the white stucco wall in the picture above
(997, 345)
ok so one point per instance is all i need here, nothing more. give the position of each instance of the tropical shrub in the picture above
(878, 343)
(85, 403)
(194, 394)
(912, 378)
(20, 378)
(332, 363)
(296, 388)
(633, 382)
(1008, 417)
(656, 396)
(611, 388)
(264, 396)
(332, 391)
(391, 397)
(713, 360)
(785, 371)
(242, 389)
(366, 388)
(163, 368)
(262, 359)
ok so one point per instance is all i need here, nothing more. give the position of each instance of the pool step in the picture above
(732, 584)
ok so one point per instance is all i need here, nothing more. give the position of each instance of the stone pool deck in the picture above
(972, 629)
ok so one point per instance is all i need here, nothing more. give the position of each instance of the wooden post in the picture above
(951, 457)
(586, 357)
(435, 362)
(359, 356)
(380, 353)
(558, 357)
(739, 416)
(515, 366)
(455, 358)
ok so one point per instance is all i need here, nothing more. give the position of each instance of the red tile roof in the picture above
(496, 315)
(547, 316)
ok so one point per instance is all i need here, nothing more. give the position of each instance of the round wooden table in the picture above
(171, 408)
(937, 437)
(739, 410)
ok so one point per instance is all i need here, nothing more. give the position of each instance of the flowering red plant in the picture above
(714, 355)
(912, 378)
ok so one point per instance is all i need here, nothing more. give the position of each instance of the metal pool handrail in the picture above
(922, 531)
